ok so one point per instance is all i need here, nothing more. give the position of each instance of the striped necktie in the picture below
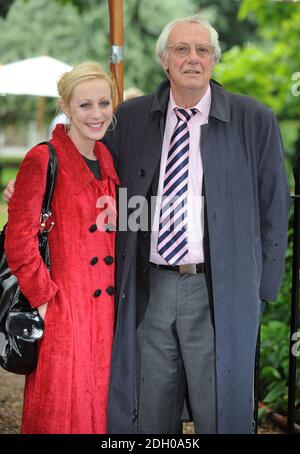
(172, 242)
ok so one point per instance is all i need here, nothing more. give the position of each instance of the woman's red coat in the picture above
(68, 391)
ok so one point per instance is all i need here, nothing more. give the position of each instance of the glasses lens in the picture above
(181, 51)
(203, 51)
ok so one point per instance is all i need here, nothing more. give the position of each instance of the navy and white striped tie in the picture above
(172, 236)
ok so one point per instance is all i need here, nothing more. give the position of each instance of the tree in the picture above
(39, 27)
(73, 31)
(265, 67)
(4, 7)
(222, 14)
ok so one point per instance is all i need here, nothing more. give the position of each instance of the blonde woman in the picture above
(68, 391)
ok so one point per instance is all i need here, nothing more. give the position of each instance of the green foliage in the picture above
(223, 15)
(267, 13)
(40, 27)
(267, 66)
(275, 343)
(246, 70)
(262, 414)
(73, 34)
(143, 21)
(277, 60)
(7, 173)
(82, 5)
(3, 214)
(4, 7)
(275, 362)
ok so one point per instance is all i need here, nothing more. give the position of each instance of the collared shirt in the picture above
(195, 225)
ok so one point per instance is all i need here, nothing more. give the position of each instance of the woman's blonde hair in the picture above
(84, 71)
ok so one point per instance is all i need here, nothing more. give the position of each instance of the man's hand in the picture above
(8, 192)
(42, 310)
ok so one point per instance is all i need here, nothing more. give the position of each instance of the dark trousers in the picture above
(176, 355)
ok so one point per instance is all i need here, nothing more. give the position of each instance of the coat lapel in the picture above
(82, 175)
(148, 164)
(152, 141)
(151, 146)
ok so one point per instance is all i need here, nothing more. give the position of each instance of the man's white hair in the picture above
(162, 42)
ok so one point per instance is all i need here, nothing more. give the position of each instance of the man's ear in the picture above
(165, 64)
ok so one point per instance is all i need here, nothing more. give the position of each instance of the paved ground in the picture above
(11, 396)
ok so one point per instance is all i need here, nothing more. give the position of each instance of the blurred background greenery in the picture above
(261, 58)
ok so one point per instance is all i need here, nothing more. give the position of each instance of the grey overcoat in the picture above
(246, 204)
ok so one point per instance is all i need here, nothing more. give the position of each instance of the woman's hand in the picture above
(42, 310)
(8, 192)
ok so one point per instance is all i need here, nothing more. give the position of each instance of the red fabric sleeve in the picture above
(21, 244)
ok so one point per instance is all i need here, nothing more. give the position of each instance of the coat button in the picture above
(109, 260)
(93, 228)
(94, 261)
(110, 290)
(135, 415)
(142, 173)
(97, 293)
(146, 235)
(123, 254)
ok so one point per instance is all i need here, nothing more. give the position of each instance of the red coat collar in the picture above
(83, 175)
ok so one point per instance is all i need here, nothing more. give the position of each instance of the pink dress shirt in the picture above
(195, 209)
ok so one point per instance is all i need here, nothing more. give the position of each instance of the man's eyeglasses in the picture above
(183, 50)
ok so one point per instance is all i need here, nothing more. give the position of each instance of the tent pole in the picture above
(116, 48)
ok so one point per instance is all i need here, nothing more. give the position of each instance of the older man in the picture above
(191, 286)
(191, 293)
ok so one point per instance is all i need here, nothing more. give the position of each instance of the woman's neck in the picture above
(83, 145)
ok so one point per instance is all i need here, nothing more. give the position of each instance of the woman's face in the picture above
(90, 111)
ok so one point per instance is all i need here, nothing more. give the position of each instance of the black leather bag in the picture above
(20, 324)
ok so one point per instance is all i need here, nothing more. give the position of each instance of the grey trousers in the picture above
(176, 355)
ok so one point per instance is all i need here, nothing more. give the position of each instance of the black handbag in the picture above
(20, 324)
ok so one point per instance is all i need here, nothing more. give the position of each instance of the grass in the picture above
(7, 173)
(3, 214)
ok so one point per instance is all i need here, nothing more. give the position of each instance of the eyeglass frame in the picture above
(208, 46)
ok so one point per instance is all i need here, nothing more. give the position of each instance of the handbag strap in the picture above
(51, 179)
(45, 212)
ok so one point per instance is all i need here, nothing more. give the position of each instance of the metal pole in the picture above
(294, 299)
(116, 47)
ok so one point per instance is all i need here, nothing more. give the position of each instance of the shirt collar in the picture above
(220, 101)
(203, 106)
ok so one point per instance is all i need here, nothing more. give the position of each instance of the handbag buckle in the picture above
(43, 222)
